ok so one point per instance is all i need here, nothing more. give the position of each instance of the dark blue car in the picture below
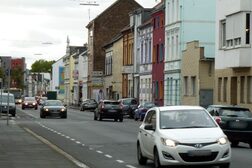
(142, 109)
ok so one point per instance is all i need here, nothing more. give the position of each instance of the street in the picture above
(99, 144)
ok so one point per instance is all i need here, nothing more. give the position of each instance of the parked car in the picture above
(53, 108)
(236, 122)
(5, 105)
(29, 102)
(88, 104)
(182, 135)
(108, 109)
(142, 109)
(42, 100)
(129, 105)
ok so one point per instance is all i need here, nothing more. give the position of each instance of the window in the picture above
(150, 51)
(156, 90)
(230, 43)
(141, 53)
(193, 78)
(223, 33)
(219, 88)
(247, 28)
(154, 54)
(161, 90)
(161, 52)
(242, 87)
(186, 85)
(157, 54)
(237, 41)
(108, 63)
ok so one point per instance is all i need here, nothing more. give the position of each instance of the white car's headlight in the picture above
(63, 109)
(168, 142)
(223, 141)
(46, 109)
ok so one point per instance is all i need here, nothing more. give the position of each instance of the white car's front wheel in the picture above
(141, 159)
(156, 159)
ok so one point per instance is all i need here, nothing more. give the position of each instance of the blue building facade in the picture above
(186, 20)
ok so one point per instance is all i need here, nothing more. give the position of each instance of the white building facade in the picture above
(57, 81)
(233, 62)
(145, 72)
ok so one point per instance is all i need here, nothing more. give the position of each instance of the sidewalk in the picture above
(19, 149)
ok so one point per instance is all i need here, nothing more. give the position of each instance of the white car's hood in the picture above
(193, 135)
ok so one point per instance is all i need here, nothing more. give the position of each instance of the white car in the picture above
(182, 135)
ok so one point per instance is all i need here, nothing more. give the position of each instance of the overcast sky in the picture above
(28, 25)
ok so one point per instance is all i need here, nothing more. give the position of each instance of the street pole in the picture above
(8, 99)
(1, 80)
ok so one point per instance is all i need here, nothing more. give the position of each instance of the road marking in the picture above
(99, 151)
(83, 144)
(78, 142)
(72, 139)
(130, 166)
(67, 137)
(57, 149)
(108, 156)
(120, 161)
(90, 148)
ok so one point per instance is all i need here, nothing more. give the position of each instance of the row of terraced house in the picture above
(190, 52)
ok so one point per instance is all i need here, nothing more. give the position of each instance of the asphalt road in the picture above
(100, 144)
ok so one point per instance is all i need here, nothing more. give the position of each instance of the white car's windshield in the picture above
(185, 119)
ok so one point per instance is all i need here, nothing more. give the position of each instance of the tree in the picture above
(17, 78)
(42, 66)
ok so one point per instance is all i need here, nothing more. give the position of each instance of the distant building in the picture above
(100, 31)
(158, 23)
(233, 65)
(18, 67)
(5, 67)
(113, 68)
(57, 82)
(197, 73)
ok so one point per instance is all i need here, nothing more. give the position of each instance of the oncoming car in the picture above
(53, 108)
(182, 135)
(29, 102)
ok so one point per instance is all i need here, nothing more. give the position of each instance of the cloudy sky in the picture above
(38, 29)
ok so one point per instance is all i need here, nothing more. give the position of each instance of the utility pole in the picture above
(90, 3)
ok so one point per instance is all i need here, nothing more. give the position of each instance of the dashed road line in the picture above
(120, 161)
(130, 166)
(99, 151)
(108, 156)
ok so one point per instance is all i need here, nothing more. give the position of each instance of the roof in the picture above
(145, 24)
(165, 108)
(113, 40)
(117, 1)
(227, 106)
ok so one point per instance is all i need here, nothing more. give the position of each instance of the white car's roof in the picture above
(165, 108)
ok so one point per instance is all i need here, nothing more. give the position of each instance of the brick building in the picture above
(100, 31)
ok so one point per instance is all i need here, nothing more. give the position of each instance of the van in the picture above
(4, 104)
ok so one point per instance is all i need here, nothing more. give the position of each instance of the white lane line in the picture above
(83, 144)
(78, 142)
(130, 166)
(108, 156)
(99, 151)
(72, 139)
(67, 137)
(120, 161)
